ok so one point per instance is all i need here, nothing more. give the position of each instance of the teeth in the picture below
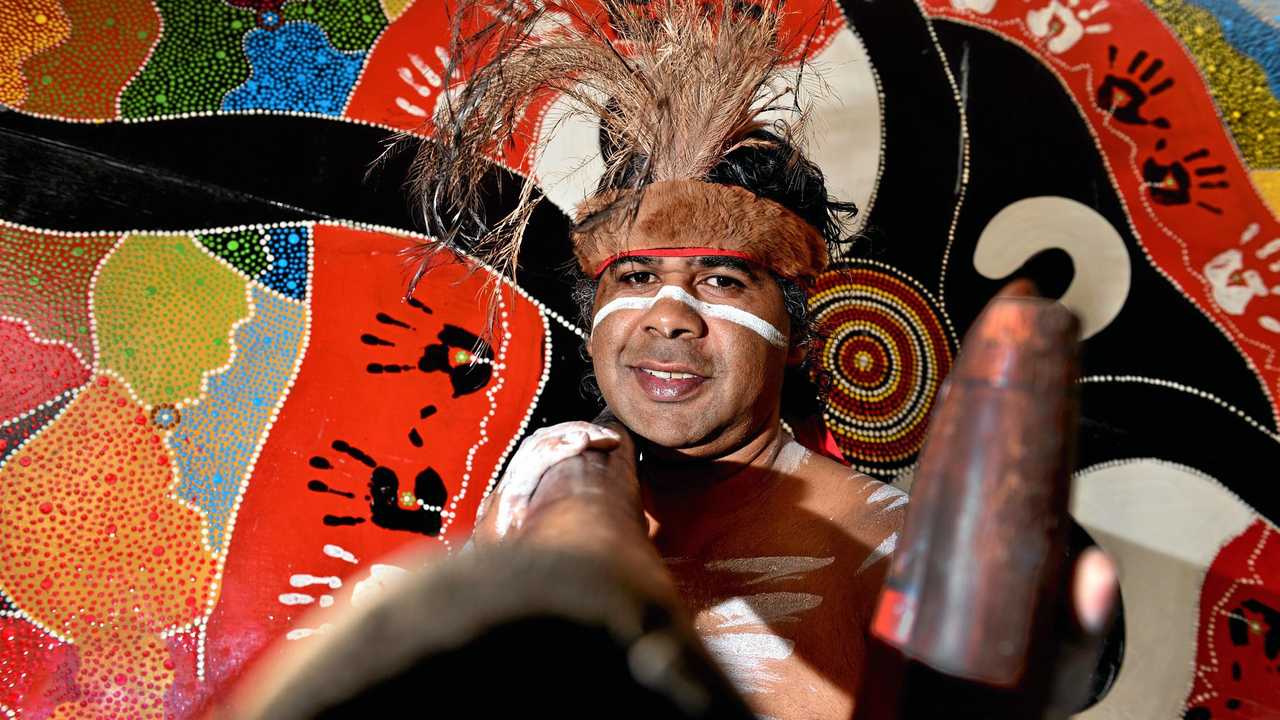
(669, 375)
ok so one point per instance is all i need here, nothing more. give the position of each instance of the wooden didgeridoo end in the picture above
(974, 589)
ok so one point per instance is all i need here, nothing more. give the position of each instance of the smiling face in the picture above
(689, 352)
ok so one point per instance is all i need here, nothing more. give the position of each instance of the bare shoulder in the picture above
(864, 507)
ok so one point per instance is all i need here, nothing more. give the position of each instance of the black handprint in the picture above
(1170, 183)
(390, 507)
(462, 355)
(1123, 95)
(466, 358)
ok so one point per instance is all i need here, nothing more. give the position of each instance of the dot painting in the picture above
(244, 249)
(216, 439)
(164, 310)
(885, 351)
(45, 278)
(351, 25)
(294, 68)
(98, 553)
(199, 58)
(286, 272)
(122, 478)
(82, 76)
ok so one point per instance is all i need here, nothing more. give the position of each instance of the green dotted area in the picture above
(242, 248)
(350, 24)
(199, 58)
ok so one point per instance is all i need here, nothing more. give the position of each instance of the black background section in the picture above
(922, 149)
(1129, 420)
(232, 170)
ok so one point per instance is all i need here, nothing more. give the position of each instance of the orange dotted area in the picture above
(83, 76)
(28, 27)
(96, 550)
(163, 310)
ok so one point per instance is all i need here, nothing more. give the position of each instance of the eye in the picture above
(638, 277)
(724, 282)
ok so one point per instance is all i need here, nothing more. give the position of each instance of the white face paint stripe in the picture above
(734, 315)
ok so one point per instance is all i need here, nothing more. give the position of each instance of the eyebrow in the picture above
(703, 262)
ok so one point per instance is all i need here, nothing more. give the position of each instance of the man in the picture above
(694, 255)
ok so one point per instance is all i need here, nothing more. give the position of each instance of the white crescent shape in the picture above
(1100, 285)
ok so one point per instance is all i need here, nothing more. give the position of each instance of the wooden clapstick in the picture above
(966, 623)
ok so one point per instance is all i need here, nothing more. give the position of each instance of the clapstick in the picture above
(967, 623)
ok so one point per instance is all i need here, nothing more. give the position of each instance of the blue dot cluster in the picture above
(287, 271)
(294, 67)
(214, 444)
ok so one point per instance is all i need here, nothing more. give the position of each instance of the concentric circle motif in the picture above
(885, 350)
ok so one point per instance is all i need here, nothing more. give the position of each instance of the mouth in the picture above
(667, 383)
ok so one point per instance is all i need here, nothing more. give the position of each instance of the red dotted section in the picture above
(97, 551)
(32, 373)
(37, 671)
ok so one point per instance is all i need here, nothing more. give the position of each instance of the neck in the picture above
(681, 493)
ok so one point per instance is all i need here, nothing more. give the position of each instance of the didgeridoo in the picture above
(966, 626)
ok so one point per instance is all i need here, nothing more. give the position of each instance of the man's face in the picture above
(699, 370)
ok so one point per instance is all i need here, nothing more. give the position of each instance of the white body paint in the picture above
(745, 658)
(335, 551)
(296, 599)
(887, 492)
(536, 454)
(791, 457)
(882, 551)
(764, 608)
(738, 630)
(380, 578)
(770, 568)
(738, 316)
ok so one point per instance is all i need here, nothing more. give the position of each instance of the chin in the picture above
(663, 426)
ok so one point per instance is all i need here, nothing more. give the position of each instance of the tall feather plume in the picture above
(676, 84)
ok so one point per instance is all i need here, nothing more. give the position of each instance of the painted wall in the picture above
(217, 410)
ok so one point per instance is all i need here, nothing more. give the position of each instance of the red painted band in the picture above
(669, 252)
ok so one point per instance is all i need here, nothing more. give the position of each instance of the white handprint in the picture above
(1065, 25)
(430, 83)
(1234, 287)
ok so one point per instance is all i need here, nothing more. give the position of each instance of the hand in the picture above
(1094, 607)
(536, 454)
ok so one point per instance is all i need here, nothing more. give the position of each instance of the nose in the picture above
(674, 320)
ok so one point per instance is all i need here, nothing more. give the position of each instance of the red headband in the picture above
(669, 252)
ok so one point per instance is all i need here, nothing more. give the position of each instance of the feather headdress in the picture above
(677, 85)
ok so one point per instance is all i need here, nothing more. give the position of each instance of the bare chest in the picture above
(778, 628)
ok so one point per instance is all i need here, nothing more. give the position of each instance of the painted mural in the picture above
(236, 421)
